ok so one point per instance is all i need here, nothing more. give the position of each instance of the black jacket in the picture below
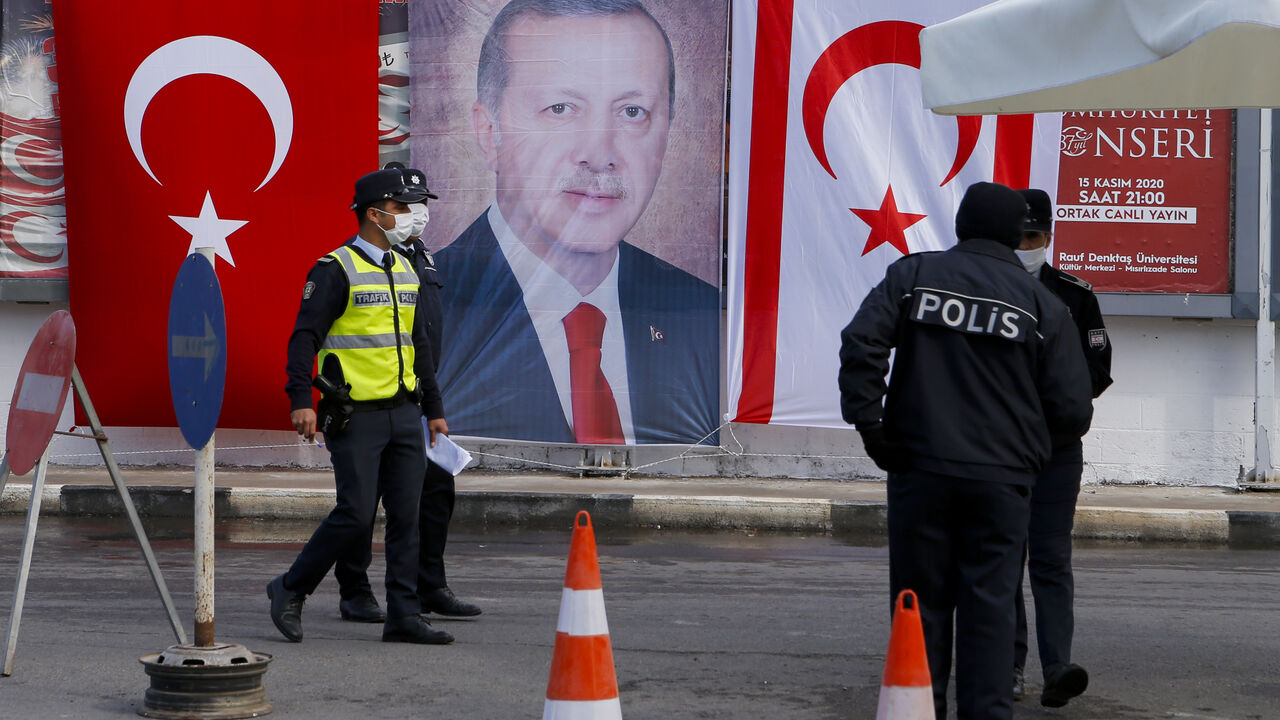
(988, 375)
(1083, 304)
(429, 300)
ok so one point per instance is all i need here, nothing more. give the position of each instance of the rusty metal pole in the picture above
(204, 545)
(203, 496)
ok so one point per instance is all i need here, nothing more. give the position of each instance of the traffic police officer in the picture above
(1053, 501)
(436, 507)
(360, 313)
(987, 371)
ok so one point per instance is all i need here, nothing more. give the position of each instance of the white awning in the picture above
(1020, 56)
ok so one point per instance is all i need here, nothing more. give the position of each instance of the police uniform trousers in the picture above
(434, 513)
(379, 454)
(1048, 552)
(957, 542)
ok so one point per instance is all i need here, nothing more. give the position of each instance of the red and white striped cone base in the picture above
(583, 683)
(906, 692)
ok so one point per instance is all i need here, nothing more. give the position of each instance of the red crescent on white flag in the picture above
(877, 43)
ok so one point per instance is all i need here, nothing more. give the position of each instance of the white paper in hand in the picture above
(447, 454)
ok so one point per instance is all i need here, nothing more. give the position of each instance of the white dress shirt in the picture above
(549, 297)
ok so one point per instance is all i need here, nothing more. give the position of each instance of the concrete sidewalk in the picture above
(535, 500)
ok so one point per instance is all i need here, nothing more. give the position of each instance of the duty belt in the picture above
(401, 397)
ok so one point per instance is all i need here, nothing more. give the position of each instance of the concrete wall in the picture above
(1181, 409)
(1180, 413)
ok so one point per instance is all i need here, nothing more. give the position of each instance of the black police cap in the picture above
(1039, 210)
(992, 211)
(415, 180)
(384, 185)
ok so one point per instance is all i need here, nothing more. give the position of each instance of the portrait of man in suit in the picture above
(556, 327)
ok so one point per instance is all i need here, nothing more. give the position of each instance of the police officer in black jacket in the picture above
(360, 312)
(987, 377)
(1053, 501)
(436, 507)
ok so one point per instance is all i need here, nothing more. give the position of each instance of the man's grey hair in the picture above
(494, 72)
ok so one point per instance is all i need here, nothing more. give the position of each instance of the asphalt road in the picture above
(703, 626)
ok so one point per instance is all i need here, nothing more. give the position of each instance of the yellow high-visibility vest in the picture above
(373, 338)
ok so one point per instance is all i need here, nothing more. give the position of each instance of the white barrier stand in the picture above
(24, 564)
(46, 399)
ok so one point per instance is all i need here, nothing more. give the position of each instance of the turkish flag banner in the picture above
(238, 125)
(837, 171)
(33, 241)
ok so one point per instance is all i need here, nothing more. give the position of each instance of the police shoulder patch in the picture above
(1074, 280)
(307, 289)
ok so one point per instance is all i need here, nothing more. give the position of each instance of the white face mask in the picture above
(421, 216)
(403, 229)
(1032, 260)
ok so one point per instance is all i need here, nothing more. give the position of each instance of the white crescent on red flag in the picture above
(238, 125)
(837, 170)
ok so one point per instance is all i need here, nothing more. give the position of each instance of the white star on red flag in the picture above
(209, 230)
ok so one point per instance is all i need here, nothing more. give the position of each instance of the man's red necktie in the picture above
(595, 413)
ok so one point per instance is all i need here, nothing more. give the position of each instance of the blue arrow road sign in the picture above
(197, 349)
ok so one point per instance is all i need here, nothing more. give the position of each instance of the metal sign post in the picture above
(207, 679)
(197, 374)
(1264, 405)
(204, 545)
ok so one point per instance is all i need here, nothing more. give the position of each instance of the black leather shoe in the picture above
(1063, 683)
(414, 629)
(362, 608)
(1019, 684)
(286, 609)
(442, 602)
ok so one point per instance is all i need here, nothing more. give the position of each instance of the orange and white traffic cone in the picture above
(906, 692)
(583, 684)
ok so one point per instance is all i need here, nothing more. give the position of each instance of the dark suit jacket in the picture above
(496, 381)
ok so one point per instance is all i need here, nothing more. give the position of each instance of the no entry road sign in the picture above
(42, 389)
(197, 349)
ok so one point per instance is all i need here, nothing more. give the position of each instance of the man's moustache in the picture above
(594, 184)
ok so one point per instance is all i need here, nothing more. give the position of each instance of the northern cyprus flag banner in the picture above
(836, 171)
